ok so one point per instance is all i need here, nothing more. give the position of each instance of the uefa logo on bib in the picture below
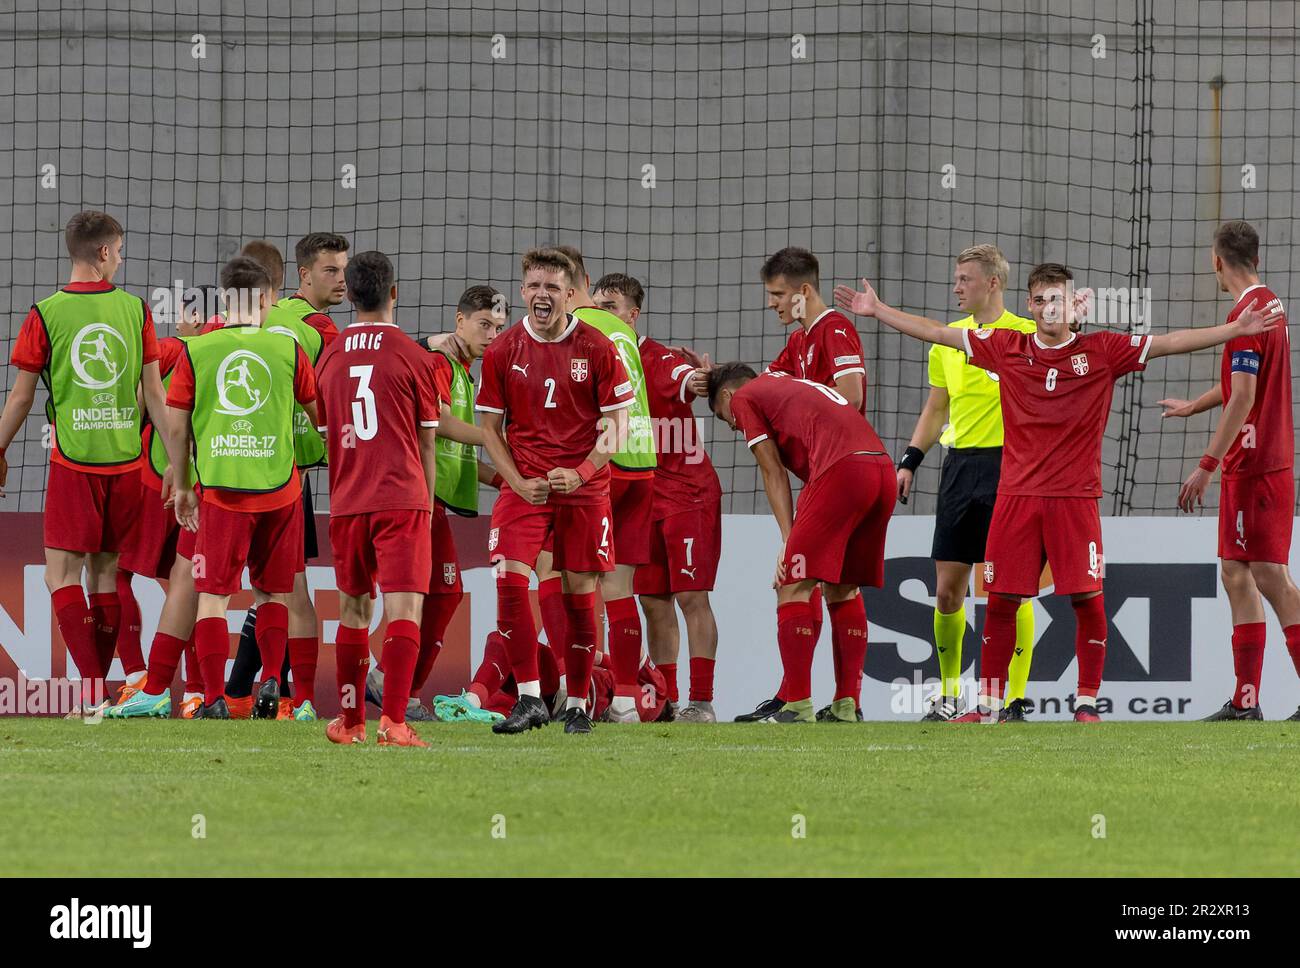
(243, 383)
(95, 356)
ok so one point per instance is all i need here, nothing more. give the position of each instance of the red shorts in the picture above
(269, 542)
(151, 548)
(583, 541)
(389, 547)
(88, 513)
(840, 523)
(445, 577)
(185, 541)
(631, 499)
(1026, 531)
(684, 550)
(1255, 517)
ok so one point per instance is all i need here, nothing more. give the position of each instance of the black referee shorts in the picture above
(309, 546)
(968, 486)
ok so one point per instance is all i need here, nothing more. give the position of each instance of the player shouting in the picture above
(94, 346)
(547, 388)
(233, 392)
(838, 536)
(1255, 441)
(1056, 388)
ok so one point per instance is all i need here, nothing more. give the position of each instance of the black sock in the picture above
(247, 659)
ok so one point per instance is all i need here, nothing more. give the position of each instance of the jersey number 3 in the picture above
(365, 420)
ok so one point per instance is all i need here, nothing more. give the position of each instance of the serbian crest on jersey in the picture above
(1079, 361)
(493, 536)
(449, 567)
(578, 370)
(988, 572)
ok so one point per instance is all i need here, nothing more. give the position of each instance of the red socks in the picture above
(164, 657)
(516, 626)
(193, 678)
(701, 680)
(1248, 662)
(272, 639)
(669, 670)
(794, 637)
(624, 644)
(78, 628)
(1089, 642)
(550, 600)
(128, 632)
(107, 613)
(580, 610)
(437, 615)
(999, 643)
(212, 643)
(351, 663)
(548, 671)
(1292, 633)
(849, 641)
(401, 649)
(303, 654)
(493, 670)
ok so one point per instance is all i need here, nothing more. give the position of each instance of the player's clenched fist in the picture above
(564, 480)
(904, 484)
(535, 490)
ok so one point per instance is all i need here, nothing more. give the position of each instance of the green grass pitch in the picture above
(125, 798)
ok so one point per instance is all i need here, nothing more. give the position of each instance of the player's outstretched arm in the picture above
(1208, 400)
(867, 303)
(17, 407)
(1249, 323)
(429, 460)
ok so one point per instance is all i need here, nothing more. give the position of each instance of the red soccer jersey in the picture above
(375, 389)
(1267, 439)
(170, 349)
(824, 352)
(685, 476)
(811, 424)
(32, 353)
(181, 395)
(552, 395)
(1055, 403)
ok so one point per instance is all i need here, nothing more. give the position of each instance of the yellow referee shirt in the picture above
(974, 403)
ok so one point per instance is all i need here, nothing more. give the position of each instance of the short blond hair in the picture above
(990, 257)
(547, 258)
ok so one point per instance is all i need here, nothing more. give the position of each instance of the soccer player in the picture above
(379, 407)
(837, 538)
(686, 519)
(548, 389)
(480, 316)
(232, 394)
(322, 259)
(1056, 388)
(94, 346)
(1255, 443)
(631, 496)
(965, 398)
(823, 347)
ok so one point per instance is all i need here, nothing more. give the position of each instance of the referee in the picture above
(966, 399)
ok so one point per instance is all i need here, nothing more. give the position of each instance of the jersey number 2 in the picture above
(550, 394)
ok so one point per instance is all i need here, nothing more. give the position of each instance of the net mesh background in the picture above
(1118, 165)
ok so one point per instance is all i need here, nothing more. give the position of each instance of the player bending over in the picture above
(1255, 441)
(837, 538)
(1056, 388)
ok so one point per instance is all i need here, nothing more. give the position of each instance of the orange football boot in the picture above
(339, 732)
(240, 708)
(397, 734)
